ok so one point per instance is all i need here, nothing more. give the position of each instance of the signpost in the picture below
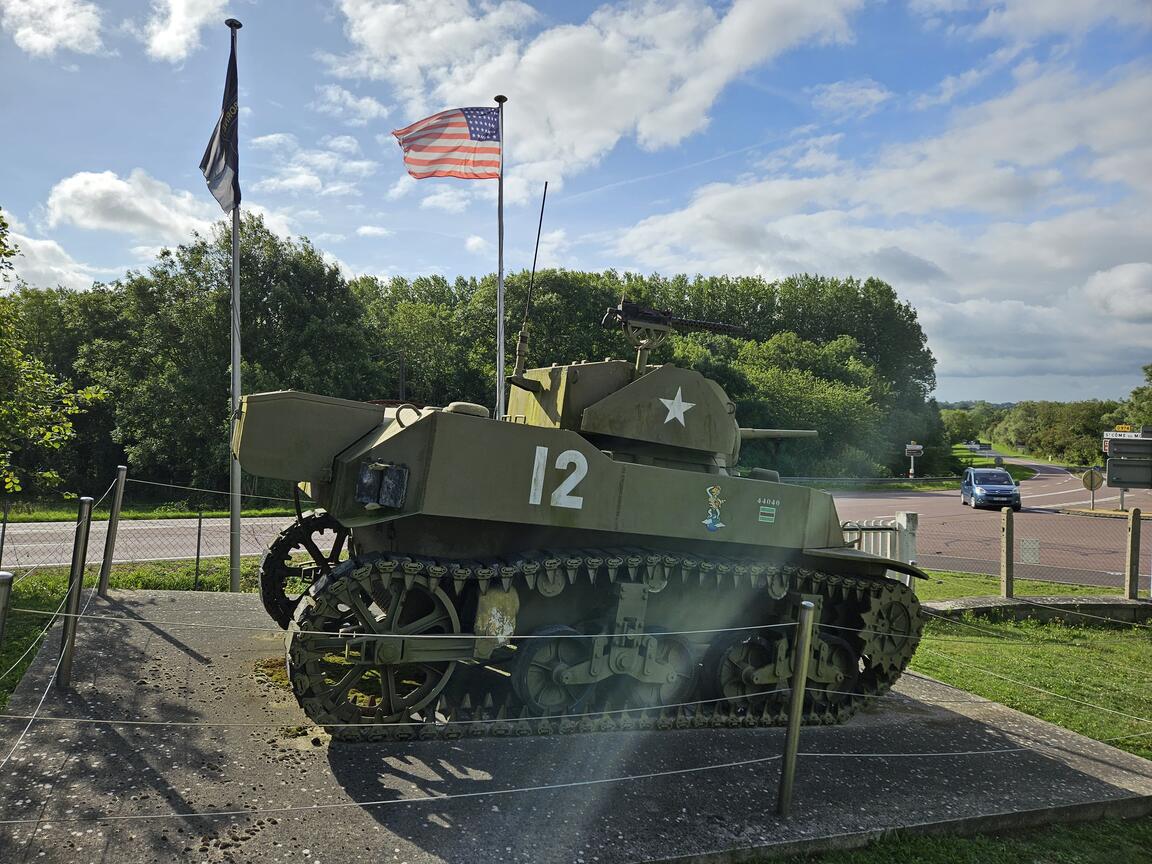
(1092, 480)
(912, 450)
(1129, 463)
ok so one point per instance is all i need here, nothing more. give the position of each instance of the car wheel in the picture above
(1016, 507)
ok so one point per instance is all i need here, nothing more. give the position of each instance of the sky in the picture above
(990, 159)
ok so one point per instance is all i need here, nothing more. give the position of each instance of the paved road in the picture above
(42, 544)
(1065, 548)
(951, 537)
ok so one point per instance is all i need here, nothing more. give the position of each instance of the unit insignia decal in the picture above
(677, 406)
(715, 502)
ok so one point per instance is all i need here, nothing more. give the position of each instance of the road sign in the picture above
(1092, 480)
(1123, 427)
(1123, 435)
(1130, 448)
(913, 449)
(1130, 473)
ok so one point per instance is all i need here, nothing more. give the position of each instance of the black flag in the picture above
(221, 162)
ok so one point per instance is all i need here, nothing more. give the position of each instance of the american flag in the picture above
(459, 142)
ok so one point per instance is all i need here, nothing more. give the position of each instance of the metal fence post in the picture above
(3, 529)
(113, 524)
(199, 528)
(796, 706)
(75, 588)
(1132, 560)
(5, 601)
(1007, 560)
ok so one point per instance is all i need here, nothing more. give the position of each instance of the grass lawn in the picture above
(977, 459)
(1110, 841)
(945, 585)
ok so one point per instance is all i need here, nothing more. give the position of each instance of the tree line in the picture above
(141, 363)
(1067, 432)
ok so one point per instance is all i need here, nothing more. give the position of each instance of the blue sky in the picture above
(989, 158)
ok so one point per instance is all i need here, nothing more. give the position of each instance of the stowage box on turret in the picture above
(590, 561)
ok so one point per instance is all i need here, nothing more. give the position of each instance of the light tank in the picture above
(591, 561)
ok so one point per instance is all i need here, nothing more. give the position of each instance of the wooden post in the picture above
(1006, 552)
(1132, 560)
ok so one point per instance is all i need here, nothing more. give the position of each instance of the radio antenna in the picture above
(517, 377)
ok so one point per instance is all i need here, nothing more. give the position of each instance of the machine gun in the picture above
(647, 328)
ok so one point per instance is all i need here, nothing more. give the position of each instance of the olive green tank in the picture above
(591, 561)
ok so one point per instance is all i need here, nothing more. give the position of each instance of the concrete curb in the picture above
(1121, 808)
(1102, 514)
(1060, 606)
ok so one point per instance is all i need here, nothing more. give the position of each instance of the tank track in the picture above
(874, 620)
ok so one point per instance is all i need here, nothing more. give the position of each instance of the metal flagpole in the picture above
(233, 464)
(500, 100)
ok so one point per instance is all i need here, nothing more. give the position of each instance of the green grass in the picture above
(945, 585)
(45, 588)
(974, 459)
(1110, 841)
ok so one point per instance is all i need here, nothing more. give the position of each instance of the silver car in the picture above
(989, 487)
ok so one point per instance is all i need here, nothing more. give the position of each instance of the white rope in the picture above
(47, 689)
(407, 723)
(1037, 689)
(122, 620)
(572, 784)
(209, 491)
(1085, 614)
(35, 640)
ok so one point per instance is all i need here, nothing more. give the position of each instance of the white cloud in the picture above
(138, 205)
(329, 172)
(451, 199)
(850, 98)
(352, 109)
(664, 64)
(173, 30)
(42, 27)
(1124, 291)
(45, 264)
(477, 245)
(373, 231)
(345, 144)
(1059, 260)
(401, 188)
(1024, 19)
(329, 237)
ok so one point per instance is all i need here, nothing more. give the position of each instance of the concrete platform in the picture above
(65, 775)
(1085, 610)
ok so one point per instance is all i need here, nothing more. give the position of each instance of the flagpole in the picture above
(233, 463)
(500, 100)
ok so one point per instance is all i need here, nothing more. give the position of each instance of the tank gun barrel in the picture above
(777, 434)
(635, 315)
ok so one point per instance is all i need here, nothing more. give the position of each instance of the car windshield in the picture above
(993, 478)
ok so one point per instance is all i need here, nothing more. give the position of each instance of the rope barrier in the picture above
(118, 619)
(423, 799)
(1085, 614)
(35, 639)
(1037, 689)
(209, 491)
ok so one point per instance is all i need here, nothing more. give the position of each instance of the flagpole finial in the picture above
(500, 98)
(233, 23)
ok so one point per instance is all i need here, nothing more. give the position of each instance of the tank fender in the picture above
(856, 558)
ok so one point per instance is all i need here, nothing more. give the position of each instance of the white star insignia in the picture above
(677, 406)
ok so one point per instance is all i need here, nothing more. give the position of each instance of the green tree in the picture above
(36, 407)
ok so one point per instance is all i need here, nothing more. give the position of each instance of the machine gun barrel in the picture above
(633, 314)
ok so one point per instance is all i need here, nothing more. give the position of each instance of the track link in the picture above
(869, 628)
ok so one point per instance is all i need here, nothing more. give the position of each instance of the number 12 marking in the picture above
(562, 495)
